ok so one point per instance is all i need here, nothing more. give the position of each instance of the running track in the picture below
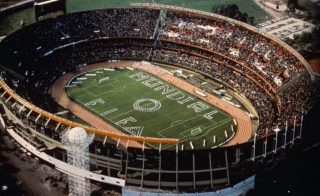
(244, 125)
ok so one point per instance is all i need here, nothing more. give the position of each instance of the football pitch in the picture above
(141, 104)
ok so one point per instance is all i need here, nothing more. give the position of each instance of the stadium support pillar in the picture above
(92, 137)
(108, 162)
(210, 167)
(64, 157)
(35, 122)
(21, 109)
(159, 180)
(142, 170)
(275, 140)
(177, 166)
(52, 134)
(95, 149)
(265, 143)
(126, 171)
(300, 134)
(27, 121)
(237, 155)
(29, 114)
(193, 171)
(56, 129)
(3, 94)
(37, 118)
(8, 99)
(254, 147)
(227, 166)
(285, 136)
(45, 125)
(121, 157)
(21, 117)
(294, 130)
(105, 140)
(118, 142)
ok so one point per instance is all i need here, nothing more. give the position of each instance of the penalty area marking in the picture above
(181, 121)
(174, 123)
(192, 132)
(201, 135)
(182, 139)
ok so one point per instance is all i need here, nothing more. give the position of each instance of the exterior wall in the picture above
(60, 165)
(239, 189)
(170, 170)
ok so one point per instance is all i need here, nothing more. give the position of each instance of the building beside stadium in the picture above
(265, 74)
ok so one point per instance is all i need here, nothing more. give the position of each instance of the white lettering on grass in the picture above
(108, 112)
(139, 76)
(176, 96)
(94, 102)
(172, 93)
(210, 114)
(152, 82)
(186, 100)
(165, 89)
(126, 120)
(134, 130)
(198, 106)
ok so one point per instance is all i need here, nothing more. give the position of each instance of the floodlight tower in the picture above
(77, 142)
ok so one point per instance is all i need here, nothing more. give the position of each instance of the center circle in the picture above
(147, 105)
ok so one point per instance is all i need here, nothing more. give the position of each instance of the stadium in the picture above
(174, 100)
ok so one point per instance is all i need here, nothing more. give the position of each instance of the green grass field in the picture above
(131, 101)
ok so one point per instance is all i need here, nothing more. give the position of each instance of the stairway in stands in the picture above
(157, 31)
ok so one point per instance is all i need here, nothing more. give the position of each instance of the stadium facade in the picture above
(269, 73)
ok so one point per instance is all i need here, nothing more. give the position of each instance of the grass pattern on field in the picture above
(172, 120)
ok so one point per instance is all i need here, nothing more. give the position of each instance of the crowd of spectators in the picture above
(38, 78)
(299, 98)
(250, 63)
(264, 56)
(221, 59)
(41, 38)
